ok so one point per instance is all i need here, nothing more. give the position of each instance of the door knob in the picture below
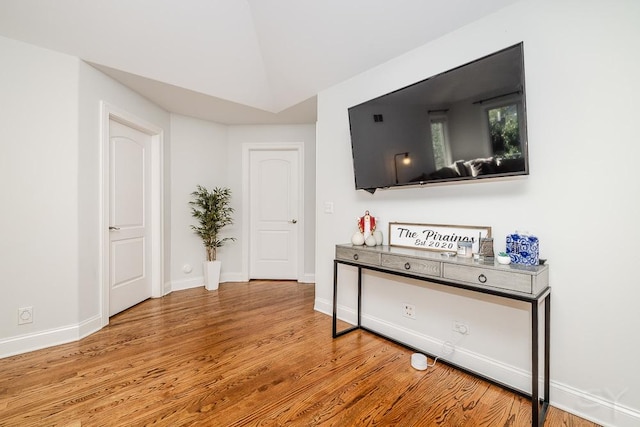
(114, 228)
(294, 221)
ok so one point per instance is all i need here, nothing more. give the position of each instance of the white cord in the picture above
(447, 348)
(434, 362)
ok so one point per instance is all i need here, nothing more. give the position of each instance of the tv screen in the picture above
(468, 123)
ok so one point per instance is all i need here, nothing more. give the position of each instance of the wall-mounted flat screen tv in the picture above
(468, 123)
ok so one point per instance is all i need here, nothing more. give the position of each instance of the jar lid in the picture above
(469, 244)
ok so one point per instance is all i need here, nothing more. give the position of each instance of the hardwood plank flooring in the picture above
(249, 354)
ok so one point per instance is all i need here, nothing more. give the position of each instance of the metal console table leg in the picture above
(539, 405)
(335, 303)
(538, 411)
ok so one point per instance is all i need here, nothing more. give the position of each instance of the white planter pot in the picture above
(211, 274)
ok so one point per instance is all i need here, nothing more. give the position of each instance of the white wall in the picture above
(581, 68)
(210, 154)
(38, 179)
(95, 87)
(49, 176)
(199, 157)
(50, 168)
(255, 134)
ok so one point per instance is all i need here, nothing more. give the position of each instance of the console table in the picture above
(516, 282)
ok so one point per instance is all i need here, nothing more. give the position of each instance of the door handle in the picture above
(114, 228)
(294, 221)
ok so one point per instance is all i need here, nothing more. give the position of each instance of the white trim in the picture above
(325, 306)
(89, 326)
(166, 289)
(107, 112)
(308, 278)
(247, 148)
(599, 406)
(181, 285)
(196, 282)
(231, 277)
(49, 338)
(475, 362)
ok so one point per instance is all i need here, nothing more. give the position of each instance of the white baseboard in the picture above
(180, 285)
(232, 277)
(324, 306)
(90, 326)
(49, 338)
(307, 278)
(195, 282)
(598, 406)
(239, 277)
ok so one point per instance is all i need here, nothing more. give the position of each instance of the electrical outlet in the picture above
(409, 310)
(25, 315)
(328, 207)
(461, 327)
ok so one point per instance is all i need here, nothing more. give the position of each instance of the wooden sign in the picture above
(435, 237)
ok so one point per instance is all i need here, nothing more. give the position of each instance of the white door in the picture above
(129, 201)
(274, 223)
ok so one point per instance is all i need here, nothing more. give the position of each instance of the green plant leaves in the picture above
(213, 211)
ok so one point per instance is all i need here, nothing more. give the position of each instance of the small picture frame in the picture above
(436, 237)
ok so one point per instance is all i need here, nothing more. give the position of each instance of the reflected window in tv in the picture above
(468, 123)
(440, 142)
(504, 130)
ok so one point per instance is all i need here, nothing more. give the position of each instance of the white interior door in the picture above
(129, 201)
(274, 224)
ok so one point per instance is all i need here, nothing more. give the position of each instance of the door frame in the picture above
(247, 148)
(111, 112)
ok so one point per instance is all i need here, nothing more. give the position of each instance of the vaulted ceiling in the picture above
(236, 61)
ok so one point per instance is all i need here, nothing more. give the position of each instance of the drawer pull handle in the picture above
(355, 256)
(407, 266)
(482, 278)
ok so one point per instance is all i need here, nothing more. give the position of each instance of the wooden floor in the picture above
(249, 354)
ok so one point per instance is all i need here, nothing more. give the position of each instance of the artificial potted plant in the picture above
(212, 210)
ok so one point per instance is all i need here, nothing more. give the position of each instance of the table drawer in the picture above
(487, 277)
(410, 265)
(356, 255)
